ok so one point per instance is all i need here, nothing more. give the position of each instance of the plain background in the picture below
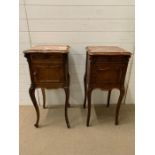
(145, 76)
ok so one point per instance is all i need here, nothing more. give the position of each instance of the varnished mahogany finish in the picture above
(48, 66)
(106, 68)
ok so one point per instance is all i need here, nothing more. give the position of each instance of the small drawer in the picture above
(111, 59)
(46, 58)
(104, 66)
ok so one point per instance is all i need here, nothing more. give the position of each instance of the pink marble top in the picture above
(106, 50)
(48, 49)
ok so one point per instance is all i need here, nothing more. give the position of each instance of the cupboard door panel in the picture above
(48, 73)
(107, 73)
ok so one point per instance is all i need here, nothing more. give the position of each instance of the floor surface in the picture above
(54, 138)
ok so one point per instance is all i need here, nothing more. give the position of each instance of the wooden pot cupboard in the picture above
(48, 65)
(106, 68)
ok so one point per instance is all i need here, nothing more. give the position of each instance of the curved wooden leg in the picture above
(85, 92)
(109, 94)
(89, 105)
(44, 97)
(32, 96)
(68, 89)
(122, 91)
(66, 106)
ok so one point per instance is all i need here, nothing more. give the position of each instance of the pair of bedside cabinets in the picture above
(106, 68)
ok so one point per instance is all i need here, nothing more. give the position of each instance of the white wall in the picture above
(77, 23)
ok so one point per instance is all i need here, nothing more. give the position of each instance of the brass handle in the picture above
(34, 73)
(102, 69)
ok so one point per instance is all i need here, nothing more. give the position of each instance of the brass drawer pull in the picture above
(35, 73)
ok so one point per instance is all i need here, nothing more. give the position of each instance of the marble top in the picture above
(106, 50)
(48, 49)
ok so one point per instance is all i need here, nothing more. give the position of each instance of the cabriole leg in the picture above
(109, 94)
(85, 92)
(68, 88)
(66, 106)
(89, 105)
(32, 96)
(122, 91)
(44, 98)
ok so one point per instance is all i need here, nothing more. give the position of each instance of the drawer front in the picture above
(48, 73)
(46, 58)
(111, 59)
(113, 73)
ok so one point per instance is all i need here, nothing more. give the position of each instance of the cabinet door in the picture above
(45, 73)
(46, 58)
(108, 73)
